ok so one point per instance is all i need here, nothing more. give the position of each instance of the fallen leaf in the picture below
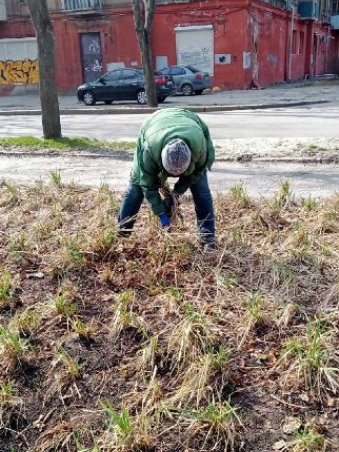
(279, 445)
(291, 425)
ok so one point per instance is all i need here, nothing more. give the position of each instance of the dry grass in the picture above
(115, 344)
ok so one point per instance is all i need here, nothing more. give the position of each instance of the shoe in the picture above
(209, 246)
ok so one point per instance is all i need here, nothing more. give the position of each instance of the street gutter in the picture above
(146, 110)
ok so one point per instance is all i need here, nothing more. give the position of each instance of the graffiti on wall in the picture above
(21, 72)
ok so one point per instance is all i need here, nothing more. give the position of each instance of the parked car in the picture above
(188, 79)
(124, 84)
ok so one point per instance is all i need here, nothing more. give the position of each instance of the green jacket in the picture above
(160, 128)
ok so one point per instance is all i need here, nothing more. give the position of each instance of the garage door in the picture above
(195, 47)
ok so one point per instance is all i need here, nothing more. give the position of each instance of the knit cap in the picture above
(176, 157)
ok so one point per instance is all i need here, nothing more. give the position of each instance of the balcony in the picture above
(81, 7)
(309, 10)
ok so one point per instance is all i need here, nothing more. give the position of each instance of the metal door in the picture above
(91, 56)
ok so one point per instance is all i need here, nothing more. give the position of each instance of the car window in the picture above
(177, 71)
(193, 69)
(165, 71)
(128, 74)
(111, 76)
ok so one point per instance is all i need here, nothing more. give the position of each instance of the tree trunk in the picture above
(143, 28)
(50, 112)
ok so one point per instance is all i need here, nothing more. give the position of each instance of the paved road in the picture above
(258, 179)
(286, 93)
(287, 122)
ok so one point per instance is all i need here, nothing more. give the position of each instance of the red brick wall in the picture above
(255, 28)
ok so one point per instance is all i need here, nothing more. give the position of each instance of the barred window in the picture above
(80, 4)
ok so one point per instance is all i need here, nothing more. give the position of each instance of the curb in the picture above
(146, 110)
(128, 156)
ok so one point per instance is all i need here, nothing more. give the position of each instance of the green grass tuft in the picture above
(65, 143)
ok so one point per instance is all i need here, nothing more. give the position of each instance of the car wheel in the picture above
(108, 102)
(141, 97)
(198, 92)
(161, 99)
(88, 98)
(187, 90)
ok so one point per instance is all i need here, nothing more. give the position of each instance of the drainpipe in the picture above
(289, 72)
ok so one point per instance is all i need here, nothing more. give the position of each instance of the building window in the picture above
(294, 41)
(301, 43)
(335, 8)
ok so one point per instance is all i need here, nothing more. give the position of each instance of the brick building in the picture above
(241, 43)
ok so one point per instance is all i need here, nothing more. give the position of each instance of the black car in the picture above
(123, 84)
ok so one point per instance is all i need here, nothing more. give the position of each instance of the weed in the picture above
(71, 367)
(12, 347)
(314, 357)
(191, 336)
(55, 176)
(126, 432)
(254, 305)
(308, 440)
(310, 203)
(75, 255)
(84, 331)
(219, 357)
(238, 235)
(219, 419)
(11, 196)
(281, 198)
(104, 240)
(64, 302)
(7, 287)
(26, 322)
(240, 195)
(17, 246)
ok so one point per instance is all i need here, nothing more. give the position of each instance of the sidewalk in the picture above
(285, 94)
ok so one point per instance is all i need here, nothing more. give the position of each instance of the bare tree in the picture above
(143, 18)
(46, 51)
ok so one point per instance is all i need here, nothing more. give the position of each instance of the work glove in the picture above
(164, 220)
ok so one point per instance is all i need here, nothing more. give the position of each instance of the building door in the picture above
(195, 47)
(91, 56)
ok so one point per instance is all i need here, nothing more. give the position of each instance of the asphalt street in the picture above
(285, 122)
(259, 179)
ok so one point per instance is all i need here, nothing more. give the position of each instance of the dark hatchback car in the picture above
(124, 84)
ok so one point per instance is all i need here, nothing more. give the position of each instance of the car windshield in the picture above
(193, 69)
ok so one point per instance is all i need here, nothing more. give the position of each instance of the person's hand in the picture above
(164, 220)
(171, 200)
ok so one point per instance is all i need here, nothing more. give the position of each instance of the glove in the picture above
(164, 220)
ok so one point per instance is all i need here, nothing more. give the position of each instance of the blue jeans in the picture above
(203, 203)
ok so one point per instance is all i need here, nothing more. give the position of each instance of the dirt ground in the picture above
(147, 344)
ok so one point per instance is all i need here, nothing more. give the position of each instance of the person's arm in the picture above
(149, 182)
(209, 145)
(184, 182)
